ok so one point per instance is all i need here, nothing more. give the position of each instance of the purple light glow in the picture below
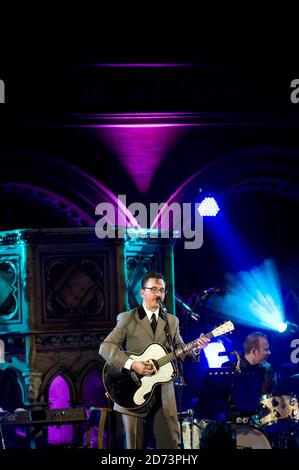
(97, 190)
(167, 119)
(59, 396)
(146, 65)
(141, 148)
(93, 392)
(143, 126)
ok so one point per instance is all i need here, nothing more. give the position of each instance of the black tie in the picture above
(154, 322)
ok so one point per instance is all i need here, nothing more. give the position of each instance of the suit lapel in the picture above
(147, 326)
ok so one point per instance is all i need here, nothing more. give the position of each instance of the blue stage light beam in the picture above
(253, 298)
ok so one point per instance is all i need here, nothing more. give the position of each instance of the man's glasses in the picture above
(155, 290)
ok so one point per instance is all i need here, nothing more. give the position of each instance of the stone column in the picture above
(31, 376)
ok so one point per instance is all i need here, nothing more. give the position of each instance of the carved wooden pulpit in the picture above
(60, 293)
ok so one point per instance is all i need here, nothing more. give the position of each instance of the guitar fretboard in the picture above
(180, 351)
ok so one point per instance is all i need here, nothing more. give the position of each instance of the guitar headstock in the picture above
(223, 329)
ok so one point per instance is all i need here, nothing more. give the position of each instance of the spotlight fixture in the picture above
(208, 207)
(281, 327)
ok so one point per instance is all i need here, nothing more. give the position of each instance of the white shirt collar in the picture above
(149, 313)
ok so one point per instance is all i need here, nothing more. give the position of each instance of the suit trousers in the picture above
(165, 428)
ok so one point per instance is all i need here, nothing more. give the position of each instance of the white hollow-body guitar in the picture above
(132, 391)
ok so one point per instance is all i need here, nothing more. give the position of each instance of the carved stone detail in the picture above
(9, 303)
(69, 340)
(74, 287)
(33, 381)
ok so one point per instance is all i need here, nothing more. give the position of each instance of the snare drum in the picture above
(277, 409)
(191, 431)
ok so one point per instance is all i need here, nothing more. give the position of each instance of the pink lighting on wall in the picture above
(141, 148)
(59, 396)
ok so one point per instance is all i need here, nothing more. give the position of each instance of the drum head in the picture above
(248, 437)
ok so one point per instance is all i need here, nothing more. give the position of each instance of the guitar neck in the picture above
(180, 351)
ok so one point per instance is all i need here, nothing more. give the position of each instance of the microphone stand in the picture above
(237, 370)
(163, 311)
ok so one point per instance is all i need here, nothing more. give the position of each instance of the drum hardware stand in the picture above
(229, 398)
(190, 413)
(191, 421)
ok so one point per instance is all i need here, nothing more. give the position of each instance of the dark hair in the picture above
(252, 341)
(152, 275)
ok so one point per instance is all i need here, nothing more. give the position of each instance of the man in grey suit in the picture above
(136, 330)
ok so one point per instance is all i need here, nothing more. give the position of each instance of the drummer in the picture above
(256, 353)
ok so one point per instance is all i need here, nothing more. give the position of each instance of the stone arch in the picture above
(75, 200)
(92, 373)
(265, 167)
(69, 376)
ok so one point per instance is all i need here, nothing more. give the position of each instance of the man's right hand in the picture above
(142, 367)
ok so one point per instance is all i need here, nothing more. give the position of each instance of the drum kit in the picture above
(279, 419)
(276, 425)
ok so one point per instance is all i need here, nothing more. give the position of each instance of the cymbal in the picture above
(294, 376)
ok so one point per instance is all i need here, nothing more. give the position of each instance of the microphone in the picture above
(162, 306)
(211, 290)
(228, 353)
(188, 309)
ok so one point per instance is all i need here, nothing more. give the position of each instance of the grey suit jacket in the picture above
(134, 332)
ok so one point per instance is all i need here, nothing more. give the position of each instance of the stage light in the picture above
(208, 207)
(281, 327)
(211, 352)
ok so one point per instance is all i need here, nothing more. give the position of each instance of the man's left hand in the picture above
(201, 343)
